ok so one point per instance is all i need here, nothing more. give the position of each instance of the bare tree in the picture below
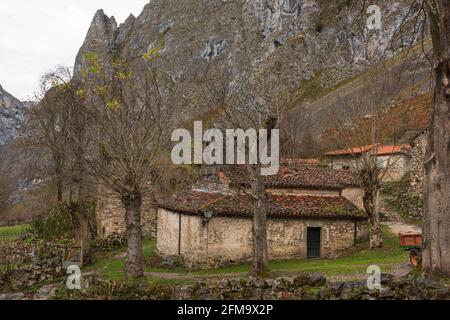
(297, 140)
(256, 103)
(7, 186)
(360, 131)
(436, 226)
(128, 117)
(46, 129)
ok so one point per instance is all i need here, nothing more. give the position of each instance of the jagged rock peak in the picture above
(101, 19)
(101, 25)
(131, 18)
(99, 38)
(11, 116)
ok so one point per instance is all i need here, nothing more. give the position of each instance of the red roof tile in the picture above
(300, 162)
(317, 178)
(194, 202)
(381, 150)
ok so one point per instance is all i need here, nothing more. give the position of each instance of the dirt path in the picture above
(395, 222)
(403, 227)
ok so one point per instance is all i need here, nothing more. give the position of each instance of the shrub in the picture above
(112, 242)
(61, 221)
(37, 227)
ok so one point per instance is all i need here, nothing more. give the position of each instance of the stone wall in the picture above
(110, 214)
(416, 163)
(407, 194)
(412, 200)
(226, 240)
(302, 286)
(397, 165)
(25, 263)
(354, 195)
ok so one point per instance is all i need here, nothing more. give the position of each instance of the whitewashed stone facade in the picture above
(227, 240)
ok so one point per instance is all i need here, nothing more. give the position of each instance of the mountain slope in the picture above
(305, 35)
(316, 47)
(405, 80)
(11, 116)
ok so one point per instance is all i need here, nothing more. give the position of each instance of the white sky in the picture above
(37, 35)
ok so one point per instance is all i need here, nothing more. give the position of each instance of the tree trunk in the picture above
(133, 265)
(79, 178)
(59, 187)
(371, 206)
(260, 251)
(436, 224)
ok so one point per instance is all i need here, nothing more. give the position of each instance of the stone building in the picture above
(110, 214)
(393, 158)
(410, 196)
(418, 150)
(310, 215)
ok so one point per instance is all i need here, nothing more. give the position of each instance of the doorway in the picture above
(313, 243)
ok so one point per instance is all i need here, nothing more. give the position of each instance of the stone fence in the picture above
(301, 287)
(26, 263)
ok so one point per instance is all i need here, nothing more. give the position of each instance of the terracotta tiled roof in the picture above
(241, 205)
(300, 162)
(318, 178)
(381, 150)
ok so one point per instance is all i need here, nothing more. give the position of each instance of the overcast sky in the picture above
(36, 35)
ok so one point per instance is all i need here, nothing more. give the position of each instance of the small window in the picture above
(381, 162)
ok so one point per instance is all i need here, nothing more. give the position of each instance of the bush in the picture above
(112, 242)
(37, 227)
(60, 222)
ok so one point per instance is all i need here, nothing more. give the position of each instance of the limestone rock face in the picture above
(11, 116)
(189, 30)
(99, 38)
(302, 39)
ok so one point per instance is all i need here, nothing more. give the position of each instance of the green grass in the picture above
(112, 264)
(13, 233)
(391, 254)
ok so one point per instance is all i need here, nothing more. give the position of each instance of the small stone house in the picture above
(395, 158)
(312, 213)
(110, 214)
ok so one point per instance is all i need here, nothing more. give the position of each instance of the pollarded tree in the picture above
(128, 116)
(436, 227)
(258, 102)
(360, 131)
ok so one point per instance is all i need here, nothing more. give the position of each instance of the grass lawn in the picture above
(387, 257)
(12, 233)
(111, 265)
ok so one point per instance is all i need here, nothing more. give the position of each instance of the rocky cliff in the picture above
(314, 45)
(11, 116)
